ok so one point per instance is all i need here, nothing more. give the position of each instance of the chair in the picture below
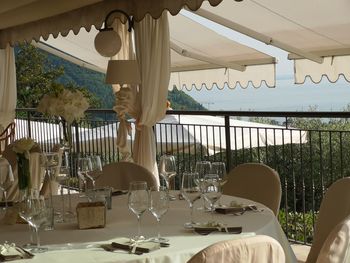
(7, 136)
(336, 248)
(262, 249)
(118, 175)
(257, 182)
(335, 207)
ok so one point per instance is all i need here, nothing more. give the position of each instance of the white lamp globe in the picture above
(107, 43)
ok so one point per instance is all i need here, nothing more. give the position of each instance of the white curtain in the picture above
(153, 55)
(8, 89)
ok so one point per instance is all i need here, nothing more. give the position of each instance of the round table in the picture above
(121, 222)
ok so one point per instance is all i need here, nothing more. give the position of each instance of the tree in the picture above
(36, 76)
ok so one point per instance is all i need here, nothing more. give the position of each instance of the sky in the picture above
(286, 96)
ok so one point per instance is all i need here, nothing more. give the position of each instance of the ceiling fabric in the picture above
(316, 31)
(27, 20)
(258, 68)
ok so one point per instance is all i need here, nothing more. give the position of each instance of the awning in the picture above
(316, 33)
(199, 56)
(27, 20)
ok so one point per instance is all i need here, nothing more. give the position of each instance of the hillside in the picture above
(94, 82)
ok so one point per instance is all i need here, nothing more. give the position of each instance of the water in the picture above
(287, 96)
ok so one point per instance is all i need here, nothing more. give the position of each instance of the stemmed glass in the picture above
(167, 169)
(96, 169)
(138, 202)
(84, 167)
(6, 178)
(211, 190)
(33, 212)
(190, 191)
(219, 168)
(158, 206)
(202, 168)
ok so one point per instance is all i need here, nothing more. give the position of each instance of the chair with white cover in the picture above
(332, 236)
(257, 249)
(257, 182)
(336, 248)
(119, 174)
(7, 136)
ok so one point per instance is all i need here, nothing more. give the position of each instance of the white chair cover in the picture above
(257, 182)
(336, 248)
(262, 249)
(119, 175)
(335, 207)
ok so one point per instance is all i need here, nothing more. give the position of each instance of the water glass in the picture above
(211, 190)
(6, 178)
(167, 169)
(158, 206)
(190, 191)
(84, 167)
(138, 202)
(96, 169)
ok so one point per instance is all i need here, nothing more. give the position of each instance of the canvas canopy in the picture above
(200, 57)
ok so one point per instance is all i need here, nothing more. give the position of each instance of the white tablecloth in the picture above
(122, 223)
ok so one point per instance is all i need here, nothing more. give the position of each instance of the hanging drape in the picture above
(153, 55)
(8, 89)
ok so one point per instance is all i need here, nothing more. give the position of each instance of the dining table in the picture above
(67, 243)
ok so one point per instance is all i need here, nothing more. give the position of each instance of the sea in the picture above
(286, 96)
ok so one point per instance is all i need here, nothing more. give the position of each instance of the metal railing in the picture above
(308, 160)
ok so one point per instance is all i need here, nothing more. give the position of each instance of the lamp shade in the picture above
(123, 72)
(107, 43)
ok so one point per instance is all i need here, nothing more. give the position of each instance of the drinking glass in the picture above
(202, 168)
(219, 168)
(211, 190)
(96, 169)
(158, 206)
(33, 212)
(6, 179)
(190, 191)
(167, 169)
(138, 202)
(84, 167)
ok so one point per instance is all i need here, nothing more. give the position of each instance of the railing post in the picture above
(28, 121)
(77, 144)
(228, 143)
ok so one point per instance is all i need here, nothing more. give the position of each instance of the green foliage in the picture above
(36, 76)
(299, 226)
(179, 100)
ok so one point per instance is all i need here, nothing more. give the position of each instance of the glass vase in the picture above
(23, 171)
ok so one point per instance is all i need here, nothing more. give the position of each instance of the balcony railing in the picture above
(308, 160)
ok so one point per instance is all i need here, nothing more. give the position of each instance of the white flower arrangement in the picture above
(69, 105)
(23, 146)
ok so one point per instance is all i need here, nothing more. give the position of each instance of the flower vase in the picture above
(23, 171)
(67, 162)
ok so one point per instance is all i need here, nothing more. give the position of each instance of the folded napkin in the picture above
(131, 246)
(10, 252)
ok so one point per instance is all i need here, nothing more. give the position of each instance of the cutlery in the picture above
(208, 230)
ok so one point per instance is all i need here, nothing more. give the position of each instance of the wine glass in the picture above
(190, 191)
(211, 190)
(202, 168)
(84, 166)
(6, 178)
(96, 169)
(167, 169)
(158, 206)
(219, 168)
(33, 212)
(138, 202)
